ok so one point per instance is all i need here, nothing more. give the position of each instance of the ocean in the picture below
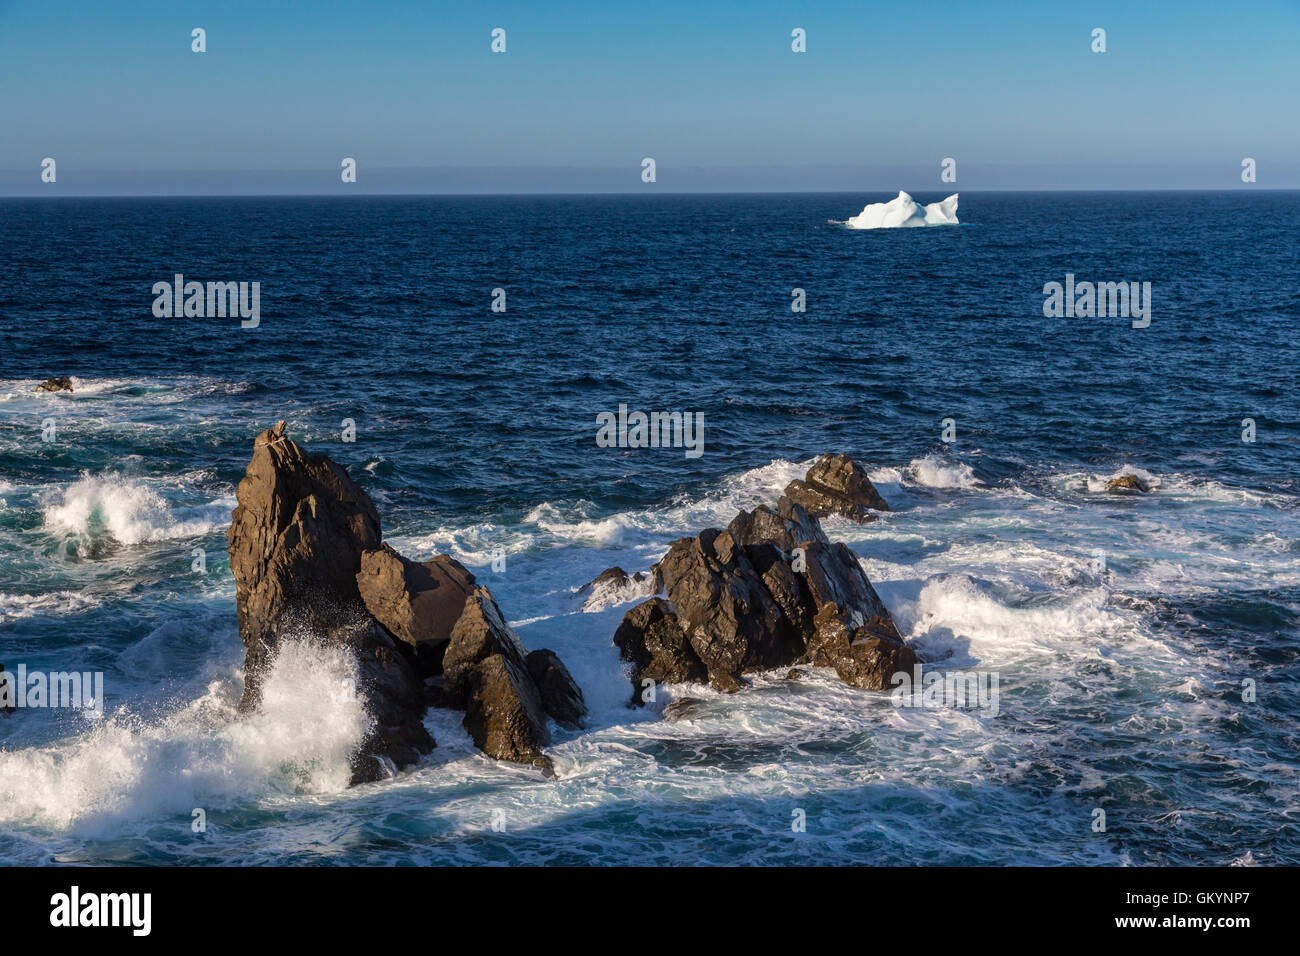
(1147, 647)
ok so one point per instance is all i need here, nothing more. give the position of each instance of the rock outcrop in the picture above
(768, 591)
(62, 384)
(836, 484)
(418, 603)
(561, 695)
(1127, 485)
(307, 555)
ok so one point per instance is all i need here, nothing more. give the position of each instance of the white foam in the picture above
(127, 768)
(935, 472)
(576, 525)
(14, 606)
(607, 594)
(903, 211)
(1097, 483)
(129, 511)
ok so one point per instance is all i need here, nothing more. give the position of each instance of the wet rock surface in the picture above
(309, 564)
(836, 485)
(769, 591)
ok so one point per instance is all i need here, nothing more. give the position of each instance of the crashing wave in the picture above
(903, 211)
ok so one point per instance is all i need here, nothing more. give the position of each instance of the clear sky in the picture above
(584, 91)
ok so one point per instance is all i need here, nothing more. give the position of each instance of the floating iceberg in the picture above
(903, 211)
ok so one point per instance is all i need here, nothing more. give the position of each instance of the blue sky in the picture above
(585, 90)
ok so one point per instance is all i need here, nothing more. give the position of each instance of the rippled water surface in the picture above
(1121, 628)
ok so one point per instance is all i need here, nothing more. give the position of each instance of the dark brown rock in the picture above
(786, 527)
(1127, 485)
(730, 618)
(296, 540)
(610, 577)
(504, 715)
(853, 631)
(837, 484)
(308, 563)
(55, 385)
(560, 693)
(418, 603)
(769, 591)
(615, 586)
(394, 699)
(683, 708)
(485, 672)
(651, 638)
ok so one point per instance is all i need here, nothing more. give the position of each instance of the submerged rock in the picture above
(1127, 485)
(683, 708)
(836, 484)
(769, 591)
(309, 564)
(63, 384)
(615, 586)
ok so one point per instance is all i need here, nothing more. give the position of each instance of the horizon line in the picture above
(647, 192)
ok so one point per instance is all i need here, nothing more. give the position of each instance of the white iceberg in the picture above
(903, 211)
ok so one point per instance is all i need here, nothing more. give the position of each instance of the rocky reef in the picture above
(62, 384)
(768, 591)
(309, 563)
(1127, 484)
(836, 485)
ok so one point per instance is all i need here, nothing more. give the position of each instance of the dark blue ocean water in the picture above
(475, 432)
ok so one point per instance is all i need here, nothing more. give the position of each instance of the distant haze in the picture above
(585, 91)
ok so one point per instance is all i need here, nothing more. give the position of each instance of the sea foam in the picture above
(125, 767)
(128, 511)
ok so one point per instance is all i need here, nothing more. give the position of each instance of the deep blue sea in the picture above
(1124, 630)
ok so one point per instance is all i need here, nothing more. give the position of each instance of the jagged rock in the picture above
(504, 715)
(308, 562)
(653, 640)
(1127, 485)
(394, 699)
(296, 540)
(610, 577)
(771, 590)
(794, 674)
(836, 484)
(485, 672)
(730, 618)
(63, 384)
(853, 631)
(561, 695)
(786, 527)
(418, 603)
